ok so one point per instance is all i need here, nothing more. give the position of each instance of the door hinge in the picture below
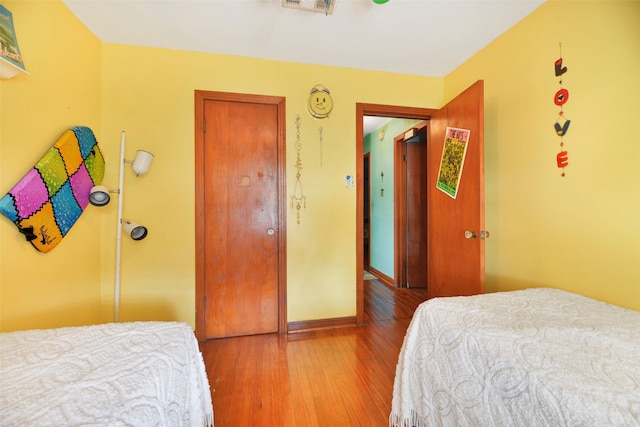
(204, 125)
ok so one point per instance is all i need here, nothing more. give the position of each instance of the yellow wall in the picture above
(155, 105)
(149, 93)
(63, 90)
(580, 232)
(576, 232)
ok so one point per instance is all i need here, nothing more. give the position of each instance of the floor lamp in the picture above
(99, 196)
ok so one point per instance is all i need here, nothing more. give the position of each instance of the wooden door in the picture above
(456, 262)
(417, 210)
(367, 212)
(411, 207)
(239, 210)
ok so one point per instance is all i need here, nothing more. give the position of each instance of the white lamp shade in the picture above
(135, 230)
(99, 195)
(142, 162)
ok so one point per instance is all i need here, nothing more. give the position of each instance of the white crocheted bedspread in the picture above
(537, 357)
(118, 374)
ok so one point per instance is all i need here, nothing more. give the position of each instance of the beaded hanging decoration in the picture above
(298, 200)
(320, 136)
(561, 125)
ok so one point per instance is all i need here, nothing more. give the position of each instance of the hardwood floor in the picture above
(335, 377)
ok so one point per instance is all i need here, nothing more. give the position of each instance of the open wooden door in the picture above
(455, 264)
(410, 207)
(456, 226)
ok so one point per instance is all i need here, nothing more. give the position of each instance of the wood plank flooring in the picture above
(336, 377)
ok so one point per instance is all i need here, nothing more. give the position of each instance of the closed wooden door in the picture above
(240, 242)
(456, 242)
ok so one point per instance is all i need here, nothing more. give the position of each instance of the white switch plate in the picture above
(348, 182)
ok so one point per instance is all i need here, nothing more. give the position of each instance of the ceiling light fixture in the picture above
(321, 6)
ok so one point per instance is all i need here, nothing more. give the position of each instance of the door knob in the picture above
(270, 231)
(470, 234)
(484, 234)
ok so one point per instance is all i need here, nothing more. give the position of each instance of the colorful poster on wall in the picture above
(11, 62)
(452, 162)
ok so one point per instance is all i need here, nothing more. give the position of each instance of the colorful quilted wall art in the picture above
(50, 198)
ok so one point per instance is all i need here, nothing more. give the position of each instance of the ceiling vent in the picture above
(321, 6)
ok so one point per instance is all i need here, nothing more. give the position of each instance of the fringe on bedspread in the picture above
(207, 402)
(414, 420)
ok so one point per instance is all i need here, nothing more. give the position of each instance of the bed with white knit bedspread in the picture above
(535, 357)
(117, 374)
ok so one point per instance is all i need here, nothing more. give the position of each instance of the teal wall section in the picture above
(381, 161)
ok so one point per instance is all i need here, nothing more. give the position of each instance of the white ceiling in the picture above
(371, 123)
(420, 37)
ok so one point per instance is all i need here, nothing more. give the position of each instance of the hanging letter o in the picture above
(561, 97)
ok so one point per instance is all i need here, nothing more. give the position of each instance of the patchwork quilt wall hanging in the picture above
(50, 198)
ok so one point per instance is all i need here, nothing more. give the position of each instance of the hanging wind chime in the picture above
(562, 123)
(320, 137)
(298, 200)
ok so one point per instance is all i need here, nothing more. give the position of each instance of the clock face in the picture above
(320, 103)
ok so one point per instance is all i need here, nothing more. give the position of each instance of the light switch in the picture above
(348, 182)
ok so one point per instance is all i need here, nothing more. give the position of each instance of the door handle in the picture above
(270, 231)
(484, 234)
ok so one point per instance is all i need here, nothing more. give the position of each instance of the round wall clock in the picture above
(320, 102)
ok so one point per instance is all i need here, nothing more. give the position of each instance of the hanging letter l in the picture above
(560, 70)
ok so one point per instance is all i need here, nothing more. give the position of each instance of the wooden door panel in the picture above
(410, 207)
(417, 208)
(240, 251)
(456, 263)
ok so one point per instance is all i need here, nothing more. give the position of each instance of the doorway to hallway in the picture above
(394, 209)
(455, 224)
(374, 110)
